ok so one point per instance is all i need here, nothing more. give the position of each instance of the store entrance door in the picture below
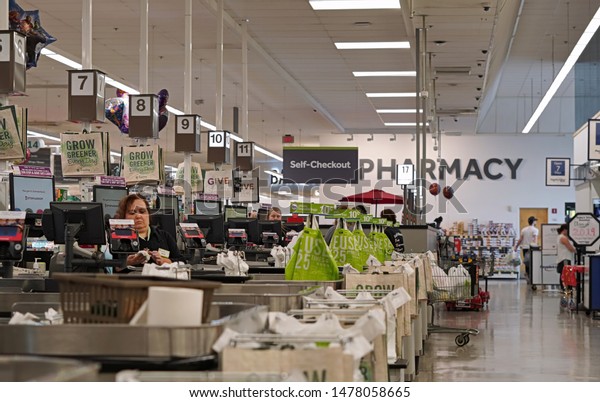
(524, 213)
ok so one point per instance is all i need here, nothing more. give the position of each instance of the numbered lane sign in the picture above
(404, 174)
(12, 62)
(218, 149)
(86, 95)
(244, 156)
(187, 133)
(143, 116)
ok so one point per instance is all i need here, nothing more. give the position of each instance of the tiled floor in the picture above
(524, 336)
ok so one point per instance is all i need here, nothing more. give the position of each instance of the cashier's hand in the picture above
(158, 259)
(136, 259)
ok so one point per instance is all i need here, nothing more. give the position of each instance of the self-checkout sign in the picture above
(584, 229)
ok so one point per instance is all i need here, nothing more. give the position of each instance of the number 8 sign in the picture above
(140, 105)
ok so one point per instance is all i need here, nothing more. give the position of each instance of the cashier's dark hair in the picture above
(126, 202)
(562, 227)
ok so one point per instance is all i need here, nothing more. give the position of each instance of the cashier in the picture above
(159, 244)
(274, 214)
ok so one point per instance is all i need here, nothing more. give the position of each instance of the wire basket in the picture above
(107, 299)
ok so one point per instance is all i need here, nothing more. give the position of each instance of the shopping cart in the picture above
(453, 288)
(570, 283)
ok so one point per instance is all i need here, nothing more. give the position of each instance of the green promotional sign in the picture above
(10, 143)
(311, 208)
(311, 259)
(80, 151)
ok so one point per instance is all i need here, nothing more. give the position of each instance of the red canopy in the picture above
(374, 197)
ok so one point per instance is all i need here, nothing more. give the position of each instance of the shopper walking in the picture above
(564, 251)
(529, 236)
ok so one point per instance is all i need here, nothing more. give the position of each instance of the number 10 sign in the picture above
(219, 143)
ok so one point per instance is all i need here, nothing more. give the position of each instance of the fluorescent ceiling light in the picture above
(121, 86)
(385, 73)
(117, 84)
(353, 4)
(35, 134)
(284, 192)
(61, 59)
(391, 94)
(373, 45)
(585, 38)
(403, 124)
(274, 174)
(398, 111)
(117, 154)
(268, 153)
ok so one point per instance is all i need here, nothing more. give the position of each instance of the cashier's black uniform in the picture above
(161, 239)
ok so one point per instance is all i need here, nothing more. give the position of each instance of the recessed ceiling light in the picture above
(373, 45)
(385, 73)
(391, 94)
(398, 110)
(353, 4)
(362, 24)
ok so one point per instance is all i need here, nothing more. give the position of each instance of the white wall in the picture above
(497, 200)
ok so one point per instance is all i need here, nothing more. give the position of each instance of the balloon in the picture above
(434, 189)
(117, 112)
(28, 23)
(163, 113)
(448, 192)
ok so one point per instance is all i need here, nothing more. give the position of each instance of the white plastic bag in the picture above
(233, 263)
(175, 270)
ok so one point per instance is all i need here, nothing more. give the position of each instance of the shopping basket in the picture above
(114, 299)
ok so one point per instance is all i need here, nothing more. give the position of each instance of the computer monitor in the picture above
(211, 225)
(249, 224)
(167, 201)
(202, 207)
(288, 227)
(164, 219)
(109, 197)
(32, 194)
(89, 216)
(269, 226)
(235, 211)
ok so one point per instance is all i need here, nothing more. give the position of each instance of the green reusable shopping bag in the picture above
(364, 245)
(311, 260)
(382, 245)
(344, 249)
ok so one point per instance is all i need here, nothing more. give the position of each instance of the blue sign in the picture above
(557, 168)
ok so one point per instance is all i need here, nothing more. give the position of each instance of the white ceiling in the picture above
(321, 97)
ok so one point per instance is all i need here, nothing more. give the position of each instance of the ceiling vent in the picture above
(452, 71)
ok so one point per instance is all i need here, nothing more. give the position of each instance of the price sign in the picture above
(584, 229)
(404, 174)
(82, 84)
(140, 106)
